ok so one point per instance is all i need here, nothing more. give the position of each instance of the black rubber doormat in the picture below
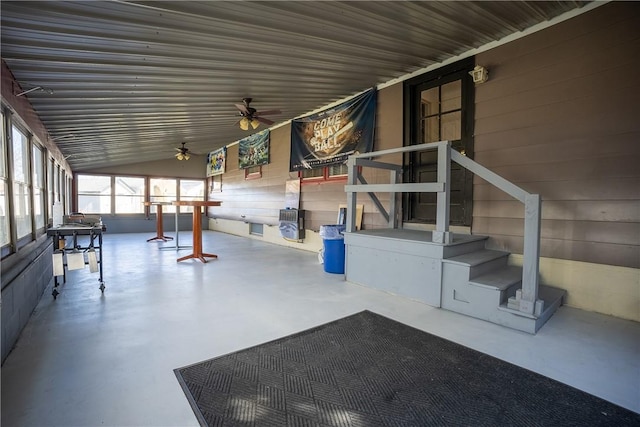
(367, 370)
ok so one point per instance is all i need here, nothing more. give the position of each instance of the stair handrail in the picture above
(529, 302)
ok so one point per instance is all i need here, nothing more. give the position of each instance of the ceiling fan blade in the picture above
(263, 120)
(268, 112)
(243, 108)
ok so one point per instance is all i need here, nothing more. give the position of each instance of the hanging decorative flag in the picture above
(216, 161)
(254, 150)
(329, 137)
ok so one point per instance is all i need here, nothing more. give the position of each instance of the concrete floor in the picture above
(88, 359)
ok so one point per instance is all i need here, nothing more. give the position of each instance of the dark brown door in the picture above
(440, 108)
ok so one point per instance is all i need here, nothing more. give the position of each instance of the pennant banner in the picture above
(254, 150)
(216, 161)
(329, 137)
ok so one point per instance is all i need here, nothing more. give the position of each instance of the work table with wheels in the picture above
(60, 249)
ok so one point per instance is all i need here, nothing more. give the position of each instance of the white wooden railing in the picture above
(532, 203)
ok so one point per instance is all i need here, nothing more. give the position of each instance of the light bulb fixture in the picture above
(479, 74)
(244, 123)
(187, 156)
(255, 123)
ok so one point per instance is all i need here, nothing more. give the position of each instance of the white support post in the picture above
(441, 233)
(351, 196)
(531, 255)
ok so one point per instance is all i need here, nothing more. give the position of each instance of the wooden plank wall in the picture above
(259, 200)
(560, 117)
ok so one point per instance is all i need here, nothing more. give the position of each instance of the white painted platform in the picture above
(461, 276)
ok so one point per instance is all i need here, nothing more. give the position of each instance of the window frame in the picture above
(5, 247)
(251, 172)
(325, 177)
(78, 207)
(116, 196)
(148, 196)
(40, 187)
(23, 239)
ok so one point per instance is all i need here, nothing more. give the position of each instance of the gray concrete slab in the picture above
(88, 359)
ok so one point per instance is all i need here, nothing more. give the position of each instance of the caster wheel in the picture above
(102, 287)
(55, 293)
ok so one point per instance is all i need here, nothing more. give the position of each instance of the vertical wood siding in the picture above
(560, 116)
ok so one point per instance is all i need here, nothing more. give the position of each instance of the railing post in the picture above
(441, 234)
(393, 221)
(351, 196)
(531, 255)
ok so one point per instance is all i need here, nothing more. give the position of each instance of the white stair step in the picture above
(501, 279)
(472, 259)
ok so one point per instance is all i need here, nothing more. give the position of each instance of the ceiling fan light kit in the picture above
(252, 117)
(183, 153)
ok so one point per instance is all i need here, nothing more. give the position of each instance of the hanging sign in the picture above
(216, 161)
(254, 150)
(329, 137)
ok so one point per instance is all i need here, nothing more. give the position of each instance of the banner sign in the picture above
(254, 150)
(329, 137)
(216, 161)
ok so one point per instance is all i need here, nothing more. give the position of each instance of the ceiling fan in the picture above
(183, 152)
(252, 117)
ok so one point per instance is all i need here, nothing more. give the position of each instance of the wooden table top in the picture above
(157, 203)
(197, 203)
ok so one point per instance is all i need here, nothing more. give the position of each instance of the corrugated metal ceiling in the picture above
(132, 80)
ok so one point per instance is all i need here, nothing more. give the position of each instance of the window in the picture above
(94, 194)
(191, 190)
(253, 172)
(21, 182)
(5, 234)
(51, 166)
(328, 173)
(38, 188)
(129, 194)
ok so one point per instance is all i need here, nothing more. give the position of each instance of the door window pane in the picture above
(451, 126)
(451, 96)
(441, 116)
